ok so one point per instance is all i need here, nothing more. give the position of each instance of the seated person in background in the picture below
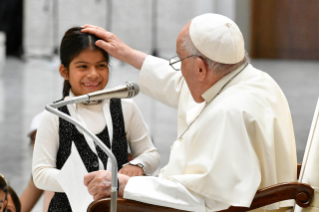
(14, 204)
(3, 193)
(31, 193)
(117, 122)
(235, 132)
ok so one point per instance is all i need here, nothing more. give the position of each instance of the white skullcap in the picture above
(218, 38)
(35, 123)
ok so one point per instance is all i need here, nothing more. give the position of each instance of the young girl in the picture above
(14, 204)
(3, 192)
(118, 123)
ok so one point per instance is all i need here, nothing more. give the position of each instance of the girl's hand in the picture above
(131, 170)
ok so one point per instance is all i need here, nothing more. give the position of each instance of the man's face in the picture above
(188, 65)
(3, 202)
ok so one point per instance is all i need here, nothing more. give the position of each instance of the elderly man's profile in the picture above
(235, 132)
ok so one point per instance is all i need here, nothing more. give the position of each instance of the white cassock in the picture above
(241, 141)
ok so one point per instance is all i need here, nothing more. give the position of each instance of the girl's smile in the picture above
(88, 72)
(91, 84)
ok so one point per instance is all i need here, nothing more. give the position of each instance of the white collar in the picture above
(94, 102)
(213, 91)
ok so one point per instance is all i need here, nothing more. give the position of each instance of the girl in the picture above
(118, 123)
(14, 204)
(3, 192)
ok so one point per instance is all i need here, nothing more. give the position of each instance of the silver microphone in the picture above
(128, 90)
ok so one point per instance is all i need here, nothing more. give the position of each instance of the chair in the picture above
(301, 191)
(309, 173)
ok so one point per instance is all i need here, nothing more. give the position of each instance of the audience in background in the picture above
(32, 194)
(3, 193)
(13, 204)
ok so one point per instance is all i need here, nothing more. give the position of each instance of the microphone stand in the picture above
(52, 108)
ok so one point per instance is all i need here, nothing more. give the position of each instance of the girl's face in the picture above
(88, 72)
(3, 202)
(10, 207)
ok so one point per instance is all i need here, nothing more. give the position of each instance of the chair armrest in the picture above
(124, 205)
(302, 193)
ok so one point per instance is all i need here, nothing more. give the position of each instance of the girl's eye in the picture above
(81, 66)
(102, 65)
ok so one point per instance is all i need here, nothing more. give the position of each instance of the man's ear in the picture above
(64, 72)
(202, 69)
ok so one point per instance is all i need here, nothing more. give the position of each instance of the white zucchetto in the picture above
(218, 38)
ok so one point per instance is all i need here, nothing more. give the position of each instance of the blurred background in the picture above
(281, 37)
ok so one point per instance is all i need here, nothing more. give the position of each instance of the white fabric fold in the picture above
(154, 187)
(242, 141)
(73, 109)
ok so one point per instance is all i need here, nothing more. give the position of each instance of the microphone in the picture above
(127, 90)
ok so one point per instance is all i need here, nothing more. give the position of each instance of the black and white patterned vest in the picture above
(68, 133)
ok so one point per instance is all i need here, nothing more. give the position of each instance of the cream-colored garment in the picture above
(285, 209)
(47, 140)
(242, 141)
(310, 167)
(314, 206)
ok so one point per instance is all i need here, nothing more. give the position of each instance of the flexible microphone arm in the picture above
(93, 96)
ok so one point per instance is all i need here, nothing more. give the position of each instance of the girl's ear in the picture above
(64, 72)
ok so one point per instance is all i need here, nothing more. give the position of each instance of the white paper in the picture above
(71, 179)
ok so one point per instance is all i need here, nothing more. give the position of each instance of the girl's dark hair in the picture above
(15, 199)
(3, 185)
(73, 42)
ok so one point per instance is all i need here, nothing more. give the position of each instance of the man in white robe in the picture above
(235, 132)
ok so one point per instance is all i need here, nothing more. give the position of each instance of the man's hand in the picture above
(131, 170)
(115, 47)
(99, 184)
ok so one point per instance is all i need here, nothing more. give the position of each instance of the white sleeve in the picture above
(162, 192)
(140, 143)
(44, 155)
(160, 81)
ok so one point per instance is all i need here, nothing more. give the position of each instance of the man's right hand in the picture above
(115, 47)
(99, 183)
